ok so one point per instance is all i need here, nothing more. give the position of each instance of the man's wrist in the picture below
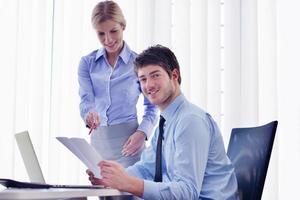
(135, 186)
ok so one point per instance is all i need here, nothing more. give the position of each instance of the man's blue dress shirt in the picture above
(113, 92)
(194, 161)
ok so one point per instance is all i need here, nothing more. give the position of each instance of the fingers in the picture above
(108, 163)
(93, 120)
(127, 142)
(93, 179)
(113, 174)
(109, 174)
(131, 149)
(89, 120)
(89, 172)
(137, 148)
(106, 170)
(126, 147)
(109, 166)
(97, 120)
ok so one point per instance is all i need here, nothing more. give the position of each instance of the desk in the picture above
(55, 193)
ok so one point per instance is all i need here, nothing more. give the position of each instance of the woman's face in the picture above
(110, 34)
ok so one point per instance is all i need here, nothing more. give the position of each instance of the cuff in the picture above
(146, 127)
(151, 190)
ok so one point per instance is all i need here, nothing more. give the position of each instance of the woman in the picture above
(109, 91)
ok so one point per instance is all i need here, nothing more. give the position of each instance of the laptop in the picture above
(33, 168)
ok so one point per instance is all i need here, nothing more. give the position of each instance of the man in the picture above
(193, 162)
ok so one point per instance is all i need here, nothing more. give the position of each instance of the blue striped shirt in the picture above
(194, 161)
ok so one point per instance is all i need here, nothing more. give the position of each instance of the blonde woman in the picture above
(109, 91)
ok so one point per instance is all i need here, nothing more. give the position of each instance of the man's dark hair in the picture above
(158, 55)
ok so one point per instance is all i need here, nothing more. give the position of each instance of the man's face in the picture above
(157, 85)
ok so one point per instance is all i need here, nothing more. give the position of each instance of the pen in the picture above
(90, 131)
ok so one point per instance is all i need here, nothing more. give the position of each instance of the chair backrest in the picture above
(250, 150)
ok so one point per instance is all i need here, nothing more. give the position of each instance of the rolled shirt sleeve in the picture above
(150, 118)
(86, 93)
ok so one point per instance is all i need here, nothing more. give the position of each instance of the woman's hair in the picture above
(107, 10)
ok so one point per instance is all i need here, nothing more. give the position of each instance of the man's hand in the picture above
(93, 179)
(114, 176)
(134, 144)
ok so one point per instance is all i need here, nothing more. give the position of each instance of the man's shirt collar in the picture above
(170, 110)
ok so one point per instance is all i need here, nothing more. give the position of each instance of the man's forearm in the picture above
(135, 186)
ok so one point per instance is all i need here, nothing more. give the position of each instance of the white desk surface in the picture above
(55, 193)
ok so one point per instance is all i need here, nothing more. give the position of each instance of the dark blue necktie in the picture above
(158, 172)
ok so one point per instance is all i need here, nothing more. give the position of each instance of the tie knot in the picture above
(162, 120)
(161, 126)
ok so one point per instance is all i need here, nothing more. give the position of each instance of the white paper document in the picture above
(84, 151)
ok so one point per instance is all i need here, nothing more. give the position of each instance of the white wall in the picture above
(288, 54)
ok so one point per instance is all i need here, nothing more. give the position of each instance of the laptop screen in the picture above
(29, 157)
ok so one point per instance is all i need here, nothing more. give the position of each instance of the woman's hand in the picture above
(134, 144)
(92, 120)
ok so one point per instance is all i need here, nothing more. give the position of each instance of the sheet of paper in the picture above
(84, 151)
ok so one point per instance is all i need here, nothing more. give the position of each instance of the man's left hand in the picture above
(93, 179)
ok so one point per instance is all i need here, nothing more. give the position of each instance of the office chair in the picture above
(250, 150)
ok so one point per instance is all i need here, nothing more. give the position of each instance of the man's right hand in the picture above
(114, 176)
